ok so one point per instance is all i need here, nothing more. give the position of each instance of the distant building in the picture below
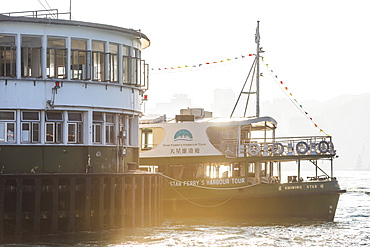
(223, 102)
(173, 107)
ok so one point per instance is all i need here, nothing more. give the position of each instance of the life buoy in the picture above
(254, 149)
(323, 147)
(301, 147)
(277, 148)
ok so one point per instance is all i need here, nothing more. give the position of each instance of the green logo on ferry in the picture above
(183, 135)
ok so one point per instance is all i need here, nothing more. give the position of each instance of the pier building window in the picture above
(126, 65)
(30, 127)
(8, 52)
(31, 56)
(7, 126)
(54, 127)
(136, 66)
(133, 131)
(144, 74)
(75, 124)
(97, 127)
(109, 129)
(98, 61)
(56, 58)
(122, 130)
(80, 60)
(113, 59)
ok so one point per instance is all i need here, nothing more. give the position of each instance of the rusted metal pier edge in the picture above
(36, 204)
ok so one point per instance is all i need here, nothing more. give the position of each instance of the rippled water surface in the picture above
(351, 227)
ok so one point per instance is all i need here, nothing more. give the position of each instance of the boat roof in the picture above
(142, 37)
(256, 122)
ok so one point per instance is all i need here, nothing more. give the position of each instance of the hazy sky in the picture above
(319, 48)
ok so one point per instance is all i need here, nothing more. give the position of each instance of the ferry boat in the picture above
(234, 167)
(70, 94)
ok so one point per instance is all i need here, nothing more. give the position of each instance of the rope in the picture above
(293, 101)
(204, 206)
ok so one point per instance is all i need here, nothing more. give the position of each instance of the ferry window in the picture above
(80, 60)
(30, 127)
(75, 127)
(7, 126)
(146, 138)
(97, 125)
(56, 58)
(192, 171)
(31, 56)
(176, 171)
(109, 129)
(126, 65)
(238, 169)
(54, 127)
(251, 169)
(113, 62)
(7, 56)
(98, 61)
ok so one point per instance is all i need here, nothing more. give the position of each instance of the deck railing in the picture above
(45, 13)
(288, 146)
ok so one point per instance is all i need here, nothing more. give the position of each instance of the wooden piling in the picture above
(36, 204)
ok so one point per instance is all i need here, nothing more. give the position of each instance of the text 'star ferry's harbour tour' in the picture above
(225, 167)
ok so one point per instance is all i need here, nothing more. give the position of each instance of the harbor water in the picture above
(351, 227)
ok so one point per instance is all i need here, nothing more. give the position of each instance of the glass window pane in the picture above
(10, 132)
(98, 117)
(56, 42)
(31, 41)
(97, 133)
(35, 132)
(98, 46)
(30, 116)
(7, 115)
(50, 132)
(109, 118)
(113, 48)
(25, 132)
(58, 131)
(54, 116)
(74, 116)
(78, 44)
(2, 132)
(7, 40)
(72, 132)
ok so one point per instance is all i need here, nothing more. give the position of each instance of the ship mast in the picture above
(258, 70)
(256, 73)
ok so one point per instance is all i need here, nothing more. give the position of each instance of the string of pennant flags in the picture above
(296, 103)
(182, 68)
(282, 85)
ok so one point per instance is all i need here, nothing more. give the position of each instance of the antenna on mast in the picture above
(256, 73)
